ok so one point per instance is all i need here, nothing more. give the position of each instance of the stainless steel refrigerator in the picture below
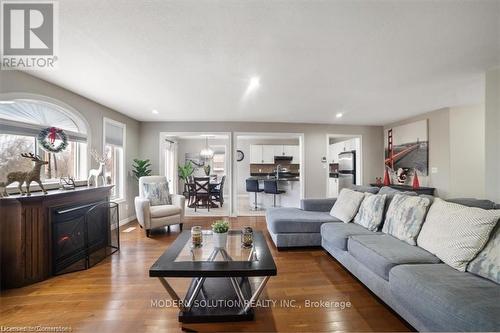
(347, 169)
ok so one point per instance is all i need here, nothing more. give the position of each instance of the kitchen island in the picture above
(291, 197)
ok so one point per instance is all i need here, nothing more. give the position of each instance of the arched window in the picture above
(21, 120)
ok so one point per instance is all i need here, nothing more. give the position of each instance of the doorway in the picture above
(186, 158)
(345, 162)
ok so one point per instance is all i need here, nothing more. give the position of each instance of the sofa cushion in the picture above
(365, 189)
(472, 202)
(456, 233)
(371, 211)
(487, 262)
(347, 205)
(164, 211)
(294, 220)
(405, 217)
(380, 253)
(448, 300)
(337, 234)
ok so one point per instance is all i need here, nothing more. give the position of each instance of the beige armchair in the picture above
(151, 217)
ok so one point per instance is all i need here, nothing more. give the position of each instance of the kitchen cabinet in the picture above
(256, 154)
(264, 154)
(268, 154)
(333, 187)
(292, 150)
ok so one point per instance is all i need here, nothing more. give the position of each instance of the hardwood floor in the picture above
(117, 294)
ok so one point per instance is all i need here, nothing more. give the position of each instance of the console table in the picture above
(420, 190)
(26, 232)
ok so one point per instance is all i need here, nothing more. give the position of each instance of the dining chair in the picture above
(218, 191)
(202, 192)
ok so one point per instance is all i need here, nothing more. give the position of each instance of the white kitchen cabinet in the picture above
(264, 154)
(333, 187)
(292, 150)
(256, 154)
(278, 150)
(268, 154)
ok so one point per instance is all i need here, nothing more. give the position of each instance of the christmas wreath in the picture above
(47, 139)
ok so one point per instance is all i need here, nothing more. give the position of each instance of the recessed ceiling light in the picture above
(155, 111)
(339, 115)
(254, 83)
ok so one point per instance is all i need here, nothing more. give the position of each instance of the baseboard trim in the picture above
(127, 220)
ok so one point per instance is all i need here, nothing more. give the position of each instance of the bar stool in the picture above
(271, 187)
(253, 186)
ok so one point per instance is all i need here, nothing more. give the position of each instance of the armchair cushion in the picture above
(157, 193)
(164, 211)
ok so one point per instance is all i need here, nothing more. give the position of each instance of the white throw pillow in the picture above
(405, 216)
(347, 204)
(456, 233)
(157, 193)
(371, 211)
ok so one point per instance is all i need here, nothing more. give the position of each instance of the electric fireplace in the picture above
(83, 235)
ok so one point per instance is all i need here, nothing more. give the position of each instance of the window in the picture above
(114, 147)
(20, 122)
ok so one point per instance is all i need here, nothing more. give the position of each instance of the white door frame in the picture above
(348, 136)
(229, 154)
(278, 135)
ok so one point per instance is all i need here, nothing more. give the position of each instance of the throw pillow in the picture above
(405, 216)
(487, 262)
(371, 211)
(347, 204)
(157, 193)
(456, 233)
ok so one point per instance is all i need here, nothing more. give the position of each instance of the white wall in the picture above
(492, 138)
(19, 82)
(467, 152)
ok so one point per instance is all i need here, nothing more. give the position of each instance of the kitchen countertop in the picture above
(285, 179)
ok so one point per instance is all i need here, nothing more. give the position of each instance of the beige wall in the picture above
(314, 143)
(467, 152)
(456, 151)
(18, 82)
(492, 115)
(439, 149)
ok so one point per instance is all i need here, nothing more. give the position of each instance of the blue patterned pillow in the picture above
(487, 262)
(371, 211)
(405, 217)
(157, 193)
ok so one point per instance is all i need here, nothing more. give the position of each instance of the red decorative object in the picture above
(52, 135)
(416, 183)
(387, 178)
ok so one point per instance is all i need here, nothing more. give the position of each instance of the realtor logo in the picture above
(29, 34)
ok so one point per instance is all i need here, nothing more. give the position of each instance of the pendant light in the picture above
(206, 152)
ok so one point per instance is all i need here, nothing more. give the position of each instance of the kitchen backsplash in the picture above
(270, 168)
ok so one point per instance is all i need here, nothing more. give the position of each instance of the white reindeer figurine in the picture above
(97, 173)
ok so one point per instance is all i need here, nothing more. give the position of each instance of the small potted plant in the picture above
(220, 229)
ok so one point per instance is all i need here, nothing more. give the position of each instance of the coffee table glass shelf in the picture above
(220, 289)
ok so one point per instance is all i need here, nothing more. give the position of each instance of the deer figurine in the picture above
(28, 177)
(97, 173)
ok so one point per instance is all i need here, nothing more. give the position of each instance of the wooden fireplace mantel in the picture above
(25, 232)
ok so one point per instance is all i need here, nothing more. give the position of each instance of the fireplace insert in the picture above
(83, 235)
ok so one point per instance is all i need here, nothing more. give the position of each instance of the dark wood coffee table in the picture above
(220, 289)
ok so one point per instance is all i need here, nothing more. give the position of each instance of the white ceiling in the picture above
(376, 61)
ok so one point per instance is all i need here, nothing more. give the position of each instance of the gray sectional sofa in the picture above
(428, 294)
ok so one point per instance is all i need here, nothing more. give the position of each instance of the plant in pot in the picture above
(185, 171)
(220, 229)
(141, 168)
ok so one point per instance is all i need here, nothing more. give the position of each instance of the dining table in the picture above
(213, 184)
